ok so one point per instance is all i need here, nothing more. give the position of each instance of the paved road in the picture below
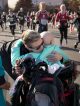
(73, 54)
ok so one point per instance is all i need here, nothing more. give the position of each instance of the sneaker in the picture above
(75, 46)
(13, 37)
(79, 52)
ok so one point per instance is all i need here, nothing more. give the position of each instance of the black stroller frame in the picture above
(66, 75)
(71, 90)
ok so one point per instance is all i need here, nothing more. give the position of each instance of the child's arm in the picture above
(54, 56)
(62, 53)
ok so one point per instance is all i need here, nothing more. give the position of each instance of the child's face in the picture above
(48, 39)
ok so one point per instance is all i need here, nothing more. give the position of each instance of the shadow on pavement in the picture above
(70, 38)
(70, 49)
(7, 35)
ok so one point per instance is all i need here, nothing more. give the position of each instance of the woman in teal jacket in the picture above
(15, 52)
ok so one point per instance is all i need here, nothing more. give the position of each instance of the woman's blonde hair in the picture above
(30, 36)
(42, 5)
(62, 5)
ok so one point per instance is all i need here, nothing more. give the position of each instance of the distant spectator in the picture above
(77, 25)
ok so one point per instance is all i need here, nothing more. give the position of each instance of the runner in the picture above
(4, 19)
(62, 18)
(12, 22)
(21, 18)
(1, 22)
(42, 17)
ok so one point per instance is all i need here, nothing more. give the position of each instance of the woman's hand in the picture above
(5, 86)
(17, 69)
(54, 56)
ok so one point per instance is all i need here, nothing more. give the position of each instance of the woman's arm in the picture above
(15, 51)
(5, 86)
(58, 54)
(3, 83)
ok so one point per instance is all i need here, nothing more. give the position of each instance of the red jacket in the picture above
(62, 18)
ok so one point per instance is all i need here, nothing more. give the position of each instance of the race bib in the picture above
(44, 21)
(34, 21)
(21, 18)
(11, 19)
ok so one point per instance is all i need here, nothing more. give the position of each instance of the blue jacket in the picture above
(2, 100)
(42, 56)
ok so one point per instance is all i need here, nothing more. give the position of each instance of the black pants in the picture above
(21, 22)
(78, 31)
(1, 24)
(12, 28)
(63, 32)
(42, 28)
(33, 26)
(28, 24)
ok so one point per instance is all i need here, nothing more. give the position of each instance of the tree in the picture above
(25, 4)
(73, 5)
(66, 2)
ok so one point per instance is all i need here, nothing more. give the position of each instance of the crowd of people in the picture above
(40, 46)
(63, 20)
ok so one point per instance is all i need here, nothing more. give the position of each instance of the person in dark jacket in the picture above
(77, 24)
(12, 22)
(3, 84)
(1, 22)
(21, 18)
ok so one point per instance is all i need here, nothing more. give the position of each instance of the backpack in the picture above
(5, 52)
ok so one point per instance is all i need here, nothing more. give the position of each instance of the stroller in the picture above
(71, 89)
(30, 91)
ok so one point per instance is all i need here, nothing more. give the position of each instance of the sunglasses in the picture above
(38, 47)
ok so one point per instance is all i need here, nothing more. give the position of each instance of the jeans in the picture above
(46, 94)
(42, 28)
